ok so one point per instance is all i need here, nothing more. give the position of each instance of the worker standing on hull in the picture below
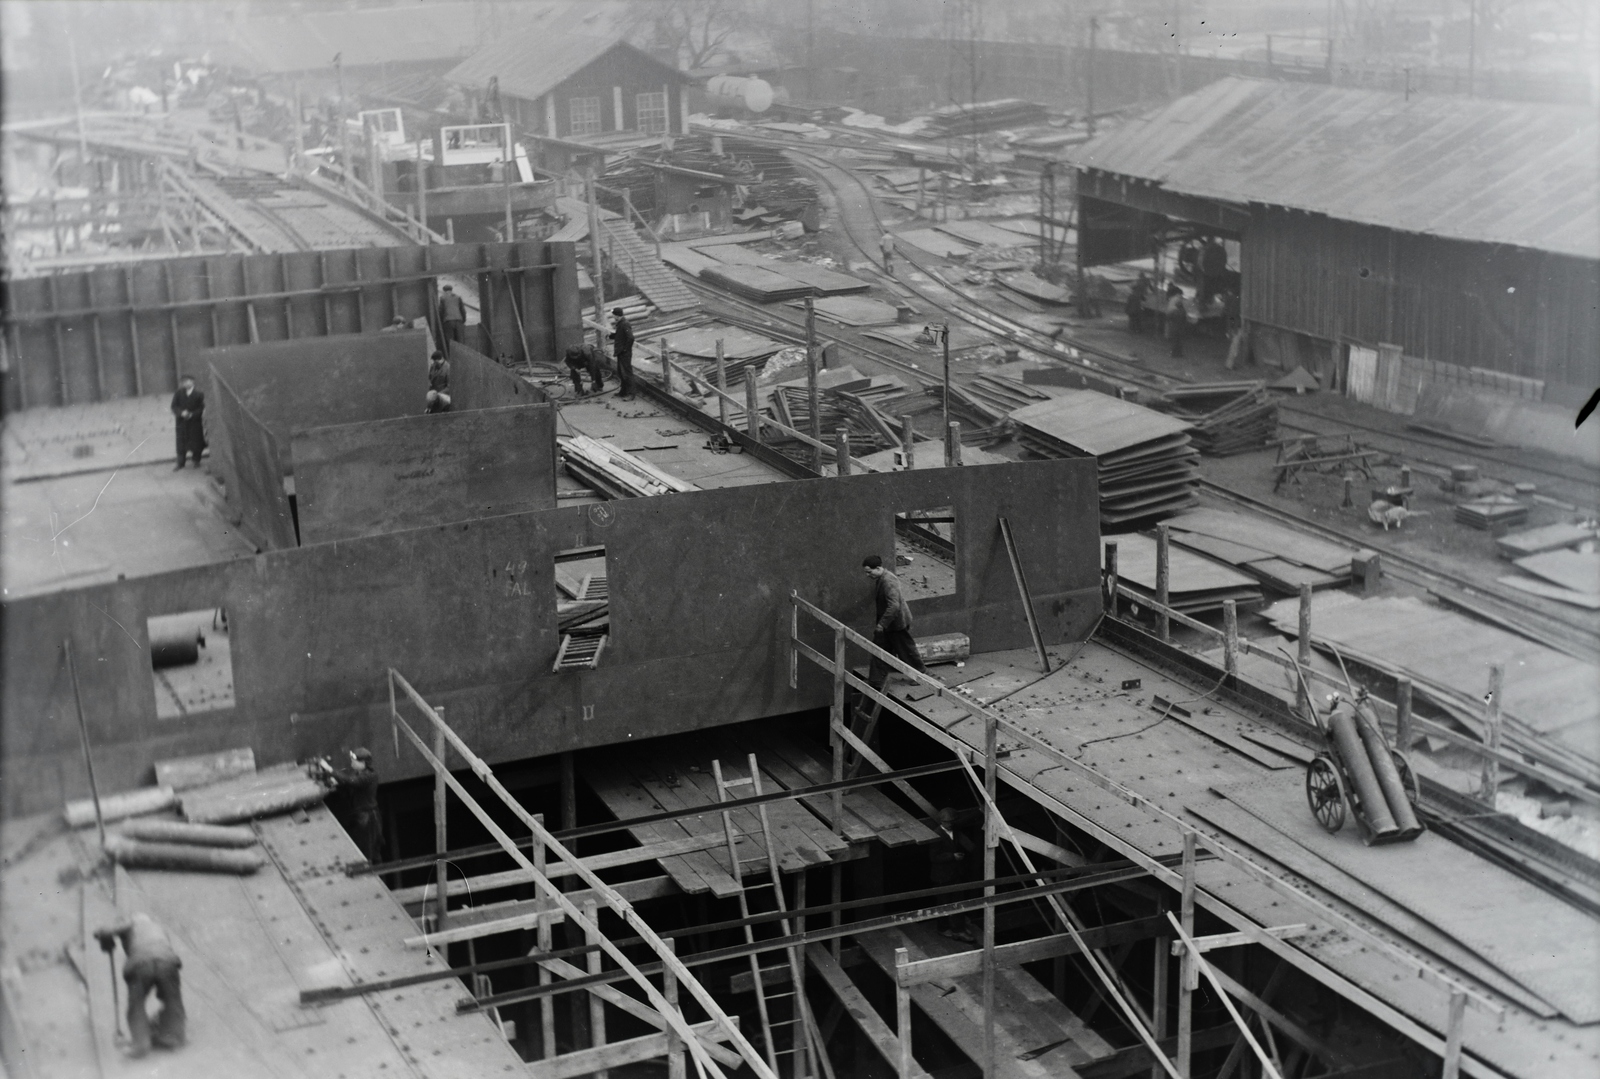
(188, 408)
(622, 343)
(359, 811)
(453, 317)
(151, 964)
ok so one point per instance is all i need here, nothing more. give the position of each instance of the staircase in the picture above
(630, 255)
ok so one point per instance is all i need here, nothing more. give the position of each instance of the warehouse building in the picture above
(1389, 243)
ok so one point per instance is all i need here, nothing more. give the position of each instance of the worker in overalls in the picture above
(151, 963)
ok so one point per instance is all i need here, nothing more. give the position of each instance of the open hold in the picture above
(583, 608)
(191, 662)
(925, 551)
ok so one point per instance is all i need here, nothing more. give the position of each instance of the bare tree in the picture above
(697, 31)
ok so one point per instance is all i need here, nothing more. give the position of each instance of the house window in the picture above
(925, 552)
(585, 114)
(652, 111)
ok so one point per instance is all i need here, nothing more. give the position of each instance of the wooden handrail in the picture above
(1032, 742)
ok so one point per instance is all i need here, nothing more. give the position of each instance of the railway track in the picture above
(861, 223)
(1564, 635)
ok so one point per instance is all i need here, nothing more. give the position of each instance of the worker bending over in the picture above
(151, 964)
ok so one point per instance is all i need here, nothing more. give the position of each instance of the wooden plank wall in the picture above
(1519, 312)
(122, 331)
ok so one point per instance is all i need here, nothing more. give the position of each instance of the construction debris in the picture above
(1228, 417)
(615, 471)
(1492, 514)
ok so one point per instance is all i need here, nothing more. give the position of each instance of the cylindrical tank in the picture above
(1342, 723)
(1394, 791)
(175, 649)
(747, 90)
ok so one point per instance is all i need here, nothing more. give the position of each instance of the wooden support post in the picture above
(569, 792)
(1490, 784)
(722, 384)
(841, 450)
(666, 366)
(677, 1067)
(83, 734)
(1402, 714)
(1452, 1038)
(597, 1007)
(813, 395)
(902, 1014)
(908, 441)
(1303, 649)
(1188, 973)
(952, 444)
(752, 409)
(1163, 581)
(1160, 1020)
(1230, 637)
(991, 840)
(441, 837)
(1111, 577)
(546, 942)
(422, 195)
(836, 745)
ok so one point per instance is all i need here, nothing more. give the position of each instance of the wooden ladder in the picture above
(805, 1047)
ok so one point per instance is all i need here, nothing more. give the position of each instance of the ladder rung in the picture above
(769, 970)
(745, 782)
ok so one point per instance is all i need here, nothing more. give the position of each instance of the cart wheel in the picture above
(1407, 777)
(1325, 794)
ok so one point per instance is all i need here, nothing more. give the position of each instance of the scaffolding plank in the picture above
(895, 826)
(657, 782)
(1524, 931)
(625, 797)
(1027, 1017)
(860, 1011)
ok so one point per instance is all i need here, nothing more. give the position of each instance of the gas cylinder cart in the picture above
(1359, 771)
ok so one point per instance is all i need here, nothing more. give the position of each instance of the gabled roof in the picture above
(1466, 168)
(532, 63)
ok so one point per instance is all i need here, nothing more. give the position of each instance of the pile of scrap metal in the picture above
(1227, 417)
(615, 472)
(862, 405)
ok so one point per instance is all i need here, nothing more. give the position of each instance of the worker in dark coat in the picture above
(189, 406)
(622, 345)
(1177, 320)
(1135, 304)
(950, 861)
(581, 358)
(359, 813)
(452, 316)
(1213, 271)
(151, 963)
(439, 373)
(892, 631)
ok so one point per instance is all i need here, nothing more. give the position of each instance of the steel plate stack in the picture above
(1147, 462)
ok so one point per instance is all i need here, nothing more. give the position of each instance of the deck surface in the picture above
(1082, 711)
(249, 945)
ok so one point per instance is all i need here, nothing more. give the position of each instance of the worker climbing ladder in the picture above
(802, 1041)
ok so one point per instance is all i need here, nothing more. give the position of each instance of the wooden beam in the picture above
(1297, 1033)
(632, 1051)
(958, 964)
(471, 923)
(1234, 940)
(636, 1008)
(855, 1005)
(610, 860)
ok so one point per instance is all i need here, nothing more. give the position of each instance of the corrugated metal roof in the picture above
(1466, 168)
